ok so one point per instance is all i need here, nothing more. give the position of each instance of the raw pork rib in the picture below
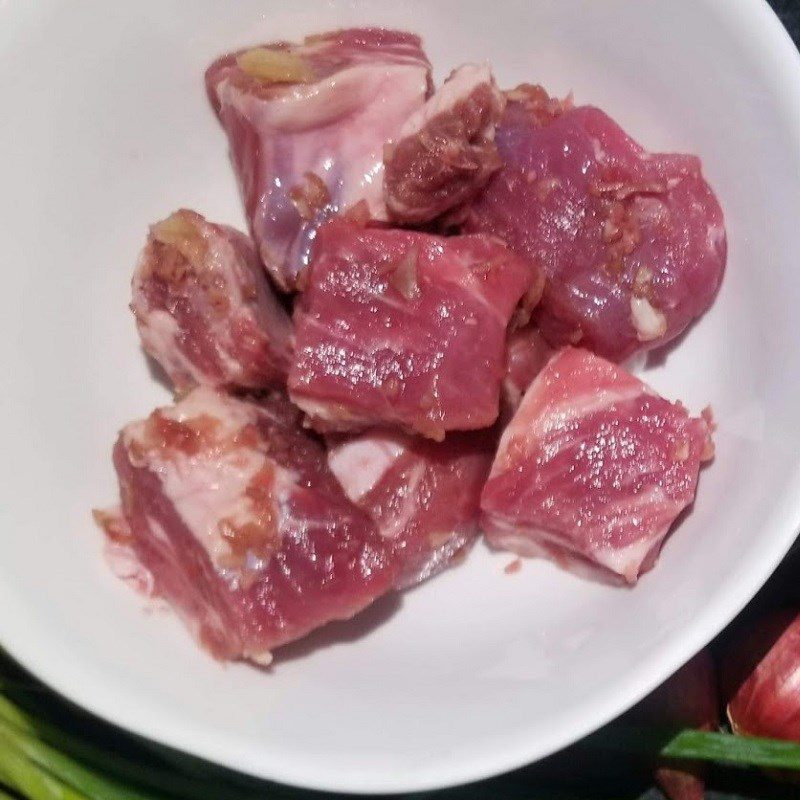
(633, 243)
(445, 152)
(527, 353)
(204, 308)
(424, 496)
(307, 125)
(404, 328)
(594, 468)
(246, 532)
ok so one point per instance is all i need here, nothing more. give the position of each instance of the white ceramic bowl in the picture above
(105, 127)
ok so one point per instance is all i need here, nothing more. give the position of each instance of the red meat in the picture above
(528, 352)
(632, 243)
(204, 308)
(593, 469)
(404, 328)
(424, 496)
(307, 124)
(246, 533)
(445, 152)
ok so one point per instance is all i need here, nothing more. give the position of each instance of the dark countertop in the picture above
(789, 12)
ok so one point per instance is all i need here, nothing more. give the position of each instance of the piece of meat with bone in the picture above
(424, 496)
(593, 469)
(633, 243)
(445, 153)
(247, 534)
(307, 124)
(204, 308)
(405, 329)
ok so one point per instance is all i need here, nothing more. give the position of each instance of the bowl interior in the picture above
(107, 128)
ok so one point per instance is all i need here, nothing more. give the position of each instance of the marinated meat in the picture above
(307, 124)
(445, 152)
(528, 352)
(204, 309)
(424, 496)
(632, 243)
(593, 469)
(404, 328)
(232, 510)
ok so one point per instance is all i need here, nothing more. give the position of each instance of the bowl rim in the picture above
(102, 700)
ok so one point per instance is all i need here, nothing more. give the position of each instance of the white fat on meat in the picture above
(232, 416)
(352, 114)
(533, 542)
(628, 560)
(222, 260)
(649, 322)
(160, 336)
(530, 424)
(459, 85)
(393, 526)
(207, 490)
(716, 237)
(360, 463)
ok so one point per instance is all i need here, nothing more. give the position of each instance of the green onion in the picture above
(121, 769)
(725, 748)
(19, 745)
(23, 776)
(733, 749)
(5, 783)
(77, 761)
(11, 715)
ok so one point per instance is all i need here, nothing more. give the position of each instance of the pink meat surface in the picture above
(593, 469)
(424, 496)
(445, 152)
(404, 328)
(204, 308)
(307, 124)
(120, 553)
(527, 353)
(234, 513)
(633, 243)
